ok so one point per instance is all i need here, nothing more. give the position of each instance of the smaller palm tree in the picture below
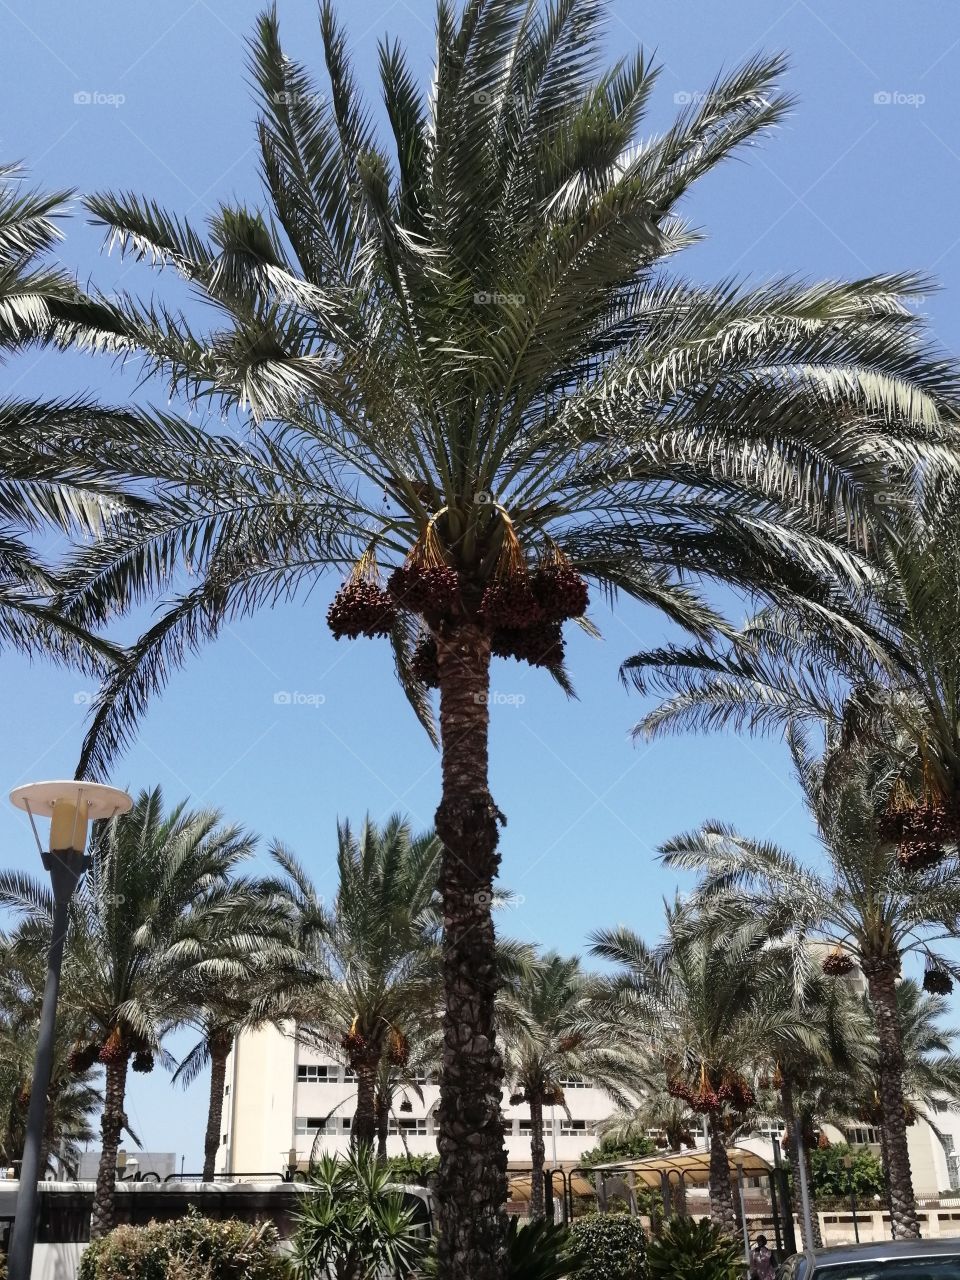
(548, 1036)
(242, 985)
(706, 1006)
(375, 972)
(867, 906)
(140, 935)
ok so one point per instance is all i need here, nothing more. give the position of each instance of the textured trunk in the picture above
(538, 1154)
(815, 1231)
(678, 1189)
(883, 997)
(471, 1185)
(363, 1132)
(721, 1192)
(219, 1049)
(383, 1125)
(111, 1126)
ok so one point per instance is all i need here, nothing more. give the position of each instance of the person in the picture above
(761, 1261)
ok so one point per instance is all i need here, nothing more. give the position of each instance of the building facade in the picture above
(282, 1096)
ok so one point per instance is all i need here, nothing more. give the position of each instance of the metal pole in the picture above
(804, 1189)
(853, 1210)
(65, 870)
(743, 1214)
(778, 1235)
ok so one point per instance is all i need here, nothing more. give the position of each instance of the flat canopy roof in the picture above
(693, 1165)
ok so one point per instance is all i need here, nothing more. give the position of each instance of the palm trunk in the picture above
(721, 1192)
(383, 1125)
(471, 1184)
(219, 1049)
(363, 1132)
(883, 997)
(678, 1189)
(538, 1153)
(111, 1126)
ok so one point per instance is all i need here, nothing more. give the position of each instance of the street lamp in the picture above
(70, 806)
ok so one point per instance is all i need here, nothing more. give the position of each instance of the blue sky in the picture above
(864, 177)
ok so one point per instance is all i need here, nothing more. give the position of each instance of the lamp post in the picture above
(848, 1163)
(70, 806)
(736, 1158)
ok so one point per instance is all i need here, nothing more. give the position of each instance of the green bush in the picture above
(830, 1178)
(610, 1150)
(692, 1250)
(611, 1246)
(413, 1170)
(191, 1248)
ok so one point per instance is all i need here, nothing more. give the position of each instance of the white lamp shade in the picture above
(70, 806)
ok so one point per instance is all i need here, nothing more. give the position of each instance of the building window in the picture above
(574, 1082)
(526, 1128)
(862, 1136)
(416, 1128)
(349, 1077)
(507, 1128)
(314, 1073)
(421, 1077)
(571, 1128)
(327, 1125)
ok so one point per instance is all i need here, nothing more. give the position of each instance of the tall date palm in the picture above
(466, 361)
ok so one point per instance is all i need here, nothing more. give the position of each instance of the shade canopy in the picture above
(693, 1166)
(521, 1188)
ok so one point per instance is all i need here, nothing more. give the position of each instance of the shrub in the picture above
(352, 1226)
(535, 1251)
(609, 1150)
(413, 1170)
(830, 1178)
(191, 1248)
(691, 1250)
(611, 1246)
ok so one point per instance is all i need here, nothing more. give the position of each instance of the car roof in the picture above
(885, 1249)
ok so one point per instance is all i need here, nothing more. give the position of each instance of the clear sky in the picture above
(153, 98)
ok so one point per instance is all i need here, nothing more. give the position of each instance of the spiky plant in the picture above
(691, 1249)
(470, 315)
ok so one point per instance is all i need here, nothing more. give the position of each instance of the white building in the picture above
(281, 1095)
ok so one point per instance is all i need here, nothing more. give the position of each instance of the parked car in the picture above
(891, 1260)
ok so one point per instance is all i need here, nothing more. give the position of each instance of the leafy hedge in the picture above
(692, 1250)
(191, 1248)
(830, 1178)
(612, 1246)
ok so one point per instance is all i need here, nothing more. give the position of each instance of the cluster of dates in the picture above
(938, 982)
(524, 611)
(707, 1097)
(838, 964)
(921, 831)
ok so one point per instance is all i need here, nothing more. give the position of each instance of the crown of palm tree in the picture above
(461, 331)
(880, 662)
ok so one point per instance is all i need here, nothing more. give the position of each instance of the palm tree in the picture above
(261, 953)
(140, 933)
(464, 357)
(46, 478)
(707, 1006)
(869, 907)
(376, 952)
(548, 1036)
(72, 1098)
